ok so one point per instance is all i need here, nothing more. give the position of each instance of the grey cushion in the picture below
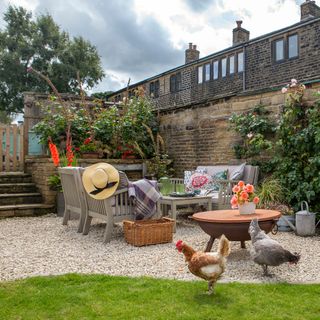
(237, 174)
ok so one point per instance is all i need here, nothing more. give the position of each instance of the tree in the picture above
(41, 43)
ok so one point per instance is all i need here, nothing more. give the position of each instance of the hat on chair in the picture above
(100, 180)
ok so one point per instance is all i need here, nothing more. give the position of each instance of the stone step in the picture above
(20, 198)
(14, 177)
(18, 187)
(22, 210)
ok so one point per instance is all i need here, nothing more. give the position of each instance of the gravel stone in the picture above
(34, 246)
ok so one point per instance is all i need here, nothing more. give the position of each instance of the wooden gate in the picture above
(11, 148)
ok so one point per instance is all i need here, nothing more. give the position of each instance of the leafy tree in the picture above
(41, 43)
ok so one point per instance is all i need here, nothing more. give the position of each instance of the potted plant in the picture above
(244, 198)
(54, 183)
(273, 196)
(90, 149)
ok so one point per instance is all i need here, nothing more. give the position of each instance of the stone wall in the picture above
(200, 135)
(41, 167)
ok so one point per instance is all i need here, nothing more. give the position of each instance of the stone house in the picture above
(196, 98)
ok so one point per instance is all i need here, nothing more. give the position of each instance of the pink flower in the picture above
(234, 202)
(236, 189)
(249, 188)
(256, 200)
(240, 184)
(294, 81)
(244, 195)
(250, 135)
(284, 90)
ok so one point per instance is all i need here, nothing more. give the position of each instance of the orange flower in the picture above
(236, 189)
(256, 200)
(240, 184)
(244, 195)
(249, 188)
(54, 153)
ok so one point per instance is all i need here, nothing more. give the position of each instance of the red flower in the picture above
(87, 141)
(54, 153)
(69, 152)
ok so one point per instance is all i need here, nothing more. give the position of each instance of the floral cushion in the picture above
(221, 175)
(202, 182)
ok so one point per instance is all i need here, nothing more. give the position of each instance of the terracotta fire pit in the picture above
(233, 225)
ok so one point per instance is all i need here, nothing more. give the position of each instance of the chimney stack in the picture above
(309, 10)
(192, 54)
(239, 34)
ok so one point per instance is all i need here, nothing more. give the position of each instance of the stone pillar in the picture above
(239, 34)
(192, 54)
(309, 10)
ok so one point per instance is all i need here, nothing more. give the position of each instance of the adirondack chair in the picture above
(74, 201)
(112, 210)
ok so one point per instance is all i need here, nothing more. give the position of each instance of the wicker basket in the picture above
(142, 233)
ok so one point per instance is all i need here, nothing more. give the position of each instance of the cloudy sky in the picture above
(140, 38)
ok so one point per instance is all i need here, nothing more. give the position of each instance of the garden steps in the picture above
(15, 177)
(19, 196)
(24, 187)
(22, 210)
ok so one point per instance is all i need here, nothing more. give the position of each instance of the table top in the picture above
(185, 198)
(233, 216)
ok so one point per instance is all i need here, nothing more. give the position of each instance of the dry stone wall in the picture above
(200, 135)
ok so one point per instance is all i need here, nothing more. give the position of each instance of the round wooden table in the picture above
(233, 225)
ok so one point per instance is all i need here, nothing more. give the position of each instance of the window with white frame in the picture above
(207, 72)
(223, 67)
(231, 64)
(200, 74)
(216, 70)
(293, 46)
(279, 50)
(240, 62)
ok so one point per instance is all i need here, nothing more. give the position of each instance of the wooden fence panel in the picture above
(11, 148)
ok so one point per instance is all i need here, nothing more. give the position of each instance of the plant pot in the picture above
(247, 208)
(90, 155)
(60, 204)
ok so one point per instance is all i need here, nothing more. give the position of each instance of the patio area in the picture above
(43, 246)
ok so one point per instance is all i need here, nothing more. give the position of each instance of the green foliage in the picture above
(54, 182)
(254, 127)
(107, 297)
(40, 42)
(298, 150)
(256, 133)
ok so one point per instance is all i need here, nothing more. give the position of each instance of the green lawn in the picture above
(104, 297)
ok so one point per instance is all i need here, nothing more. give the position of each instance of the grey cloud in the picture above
(140, 50)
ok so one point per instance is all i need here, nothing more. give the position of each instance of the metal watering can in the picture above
(305, 221)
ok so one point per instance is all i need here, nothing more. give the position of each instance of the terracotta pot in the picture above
(90, 155)
(247, 208)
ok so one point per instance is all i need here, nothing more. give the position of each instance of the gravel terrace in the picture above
(42, 246)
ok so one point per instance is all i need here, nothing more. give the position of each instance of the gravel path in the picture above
(42, 246)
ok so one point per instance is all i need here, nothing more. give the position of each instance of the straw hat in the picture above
(100, 180)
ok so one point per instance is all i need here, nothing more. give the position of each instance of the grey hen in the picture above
(266, 251)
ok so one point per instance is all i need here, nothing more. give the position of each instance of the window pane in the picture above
(178, 81)
(207, 72)
(231, 65)
(279, 50)
(240, 62)
(156, 89)
(200, 74)
(293, 46)
(224, 67)
(173, 83)
(216, 70)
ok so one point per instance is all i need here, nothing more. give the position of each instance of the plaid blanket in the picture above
(145, 195)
